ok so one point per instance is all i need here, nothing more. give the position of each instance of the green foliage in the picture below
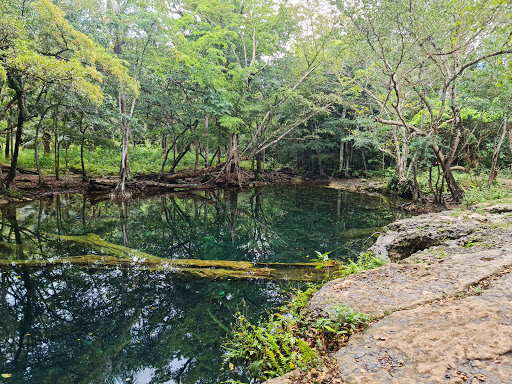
(479, 194)
(322, 258)
(365, 261)
(345, 320)
(284, 342)
(103, 160)
(273, 347)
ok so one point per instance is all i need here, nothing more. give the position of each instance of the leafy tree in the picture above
(39, 48)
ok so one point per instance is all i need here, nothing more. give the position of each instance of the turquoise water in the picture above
(68, 324)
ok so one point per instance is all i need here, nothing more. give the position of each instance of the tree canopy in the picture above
(333, 88)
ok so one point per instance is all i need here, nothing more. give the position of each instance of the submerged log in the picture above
(210, 269)
(118, 255)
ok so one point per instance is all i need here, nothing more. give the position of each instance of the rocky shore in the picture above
(442, 306)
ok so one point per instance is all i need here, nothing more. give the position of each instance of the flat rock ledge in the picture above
(443, 308)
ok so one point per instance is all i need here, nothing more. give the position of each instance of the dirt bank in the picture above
(443, 308)
(25, 186)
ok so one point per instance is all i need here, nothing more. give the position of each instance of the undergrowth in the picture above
(479, 194)
(290, 339)
(100, 161)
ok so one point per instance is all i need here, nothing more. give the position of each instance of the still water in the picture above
(65, 323)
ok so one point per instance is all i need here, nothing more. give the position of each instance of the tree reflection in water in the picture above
(65, 324)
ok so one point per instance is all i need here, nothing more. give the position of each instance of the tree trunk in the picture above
(36, 153)
(320, 167)
(46, 142)
(206, 155)
(510, 144)
(493, 174)
(164, 145)
(196, 165)
(178, 159)
(232, 166)
(16, 83)
(56, 148)
(8, 142)
(233, 153)
(454, 188)
(124, 171)
(342, 152)
(347, 163)
(82, 143)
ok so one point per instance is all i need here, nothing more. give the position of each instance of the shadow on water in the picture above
(71, 324)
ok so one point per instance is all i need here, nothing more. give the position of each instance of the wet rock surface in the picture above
(444, 308)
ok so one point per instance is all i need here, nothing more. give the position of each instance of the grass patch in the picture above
(102, 161)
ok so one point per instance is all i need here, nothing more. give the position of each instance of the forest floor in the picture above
(442, 309)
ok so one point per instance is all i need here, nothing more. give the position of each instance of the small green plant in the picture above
(364, 261)
(322, 258)
(439, 253)
(346, 320)
(471, 243)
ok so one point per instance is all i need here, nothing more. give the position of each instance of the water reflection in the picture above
(64, 324)
(68, 325)
(282, 224)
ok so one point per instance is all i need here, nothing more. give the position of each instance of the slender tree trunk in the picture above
(206, 155)
(493, 174)
(16, 83)
(178, 159)
(233, 153)
(258, 163)
(347, 162)
(342, 152)
(36, 153)
(56, 148)
(164, 145)
(364, 160)
(319, 159)
(8, 142)
(510, 144)
(82, 144)
(124, 171)
(214, 156)
(11, 141)
(196, 165)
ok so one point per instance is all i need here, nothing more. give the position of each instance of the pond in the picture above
(69, 314)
